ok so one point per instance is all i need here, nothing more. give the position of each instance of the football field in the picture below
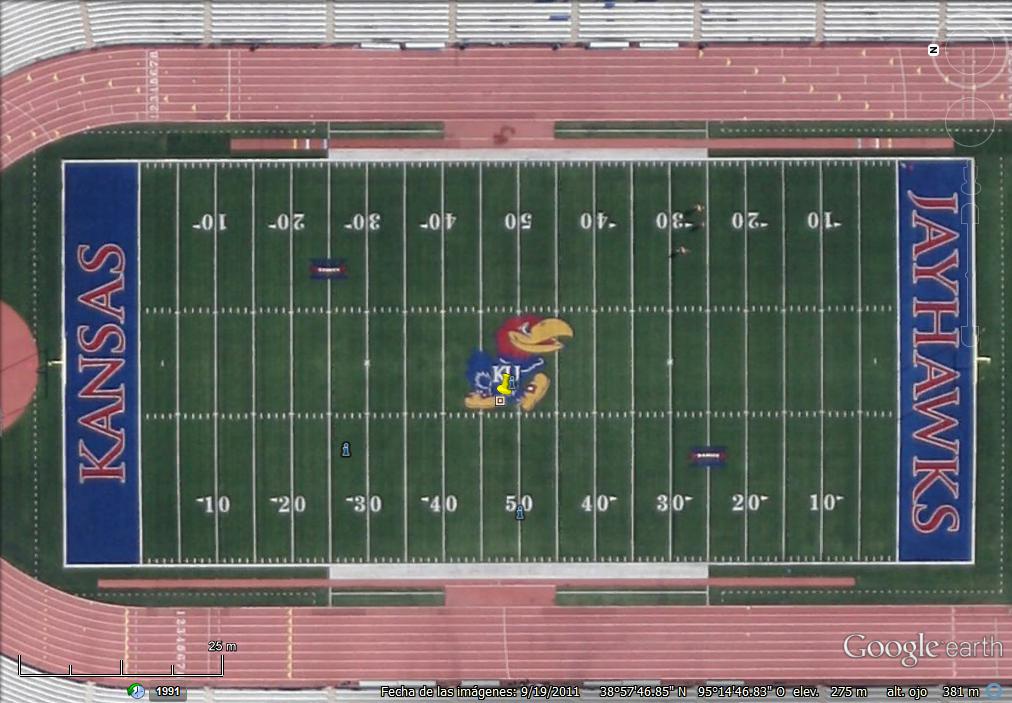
(740, 308)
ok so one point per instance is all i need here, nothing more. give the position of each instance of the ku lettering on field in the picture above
(101, 383)
(936, 348)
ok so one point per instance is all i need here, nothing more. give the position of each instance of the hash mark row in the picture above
(534, 415)
(503, 309)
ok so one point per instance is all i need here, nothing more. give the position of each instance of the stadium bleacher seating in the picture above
(31, 30)
(284, 22)
(668, 21)
(366, 21)
(502, 21)
(764, 21)
(140, 22)
(978, 19)
(865, 20)
(19, 689)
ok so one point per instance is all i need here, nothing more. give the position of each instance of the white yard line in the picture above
(404, 339)
(481, 332)
(442, 356)
(632, 370)
(253, 350)
(520, 535)
(899, 405)
(179, 509)
(330, 391)
(214, 363)
(368, 489)
(593, 264)
(783, 363)
(706, 268)
(822, 366)
(745, 357)
(1004, 353)
(63, 366)
(671, 369)
(860, 365)
(140, 389)
(558, 371)
(291, 364)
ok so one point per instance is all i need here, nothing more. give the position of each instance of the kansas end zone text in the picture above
(937, 347)
(102, 350)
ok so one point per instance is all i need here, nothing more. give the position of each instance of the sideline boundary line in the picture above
(621, 566)
(481, 333)
(404, 339)
(214, 368)
(140, 383)
(857, 160)
(330, 391)
(291, 360)
(783, 361)
(575, 157)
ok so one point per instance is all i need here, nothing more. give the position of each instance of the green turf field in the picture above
(774, 336)
(31, 451)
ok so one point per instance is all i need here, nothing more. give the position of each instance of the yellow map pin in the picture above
(504, 386)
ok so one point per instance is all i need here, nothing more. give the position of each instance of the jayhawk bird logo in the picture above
(522, 343)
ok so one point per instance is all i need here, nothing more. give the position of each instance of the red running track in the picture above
(310, 647)
(316, 646)
(519, 86)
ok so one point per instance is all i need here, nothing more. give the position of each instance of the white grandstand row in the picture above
(30, 689)
(32, 30)
(58, 690)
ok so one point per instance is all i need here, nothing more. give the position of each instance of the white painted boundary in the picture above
(671, 156)
(63, 355)
(899, 370)
(593, 349)
(330, 388)
(574, 157)
(783, 362)
(513, 155)
(253, 349)
(367, 362)
(744, 385)
(822, 367)
(291, 361)
(558, 372)
(140, 385)
(632, 362)
(481, 334)
(706, 235)
(523, 570)
(670, 379)
(404, 341)
(214, 362)
(617, 569)
(860, 365)
(517, 411)
(179, 491)
(442, 360)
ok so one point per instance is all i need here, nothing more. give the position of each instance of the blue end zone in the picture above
(101, 391)
(936, 383)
